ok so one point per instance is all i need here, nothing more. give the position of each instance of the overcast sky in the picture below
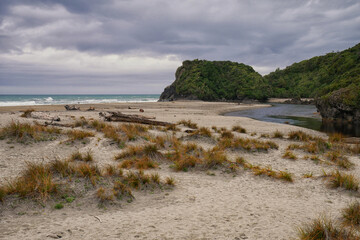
(135, 46)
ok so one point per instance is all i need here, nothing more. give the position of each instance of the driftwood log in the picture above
(71, 108)
(120, 117)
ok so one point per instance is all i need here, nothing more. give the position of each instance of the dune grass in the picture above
(246, 144)
(267, 171)
(289, 155)
(27, 113)
(239, 129)
(75, 135)
(323, 228)
(351, 214)
(26, 132)
(188, 123)
(203, 131)
(337, 179)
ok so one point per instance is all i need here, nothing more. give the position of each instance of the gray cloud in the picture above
(265, 34)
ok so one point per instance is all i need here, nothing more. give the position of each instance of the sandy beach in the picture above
(211, 204)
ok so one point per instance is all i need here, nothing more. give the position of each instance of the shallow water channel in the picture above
(299, 115)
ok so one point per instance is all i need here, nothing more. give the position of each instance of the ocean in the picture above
(27, 100)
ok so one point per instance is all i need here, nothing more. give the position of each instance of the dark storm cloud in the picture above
(264, 34)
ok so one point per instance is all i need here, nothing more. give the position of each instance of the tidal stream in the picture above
(299, 115)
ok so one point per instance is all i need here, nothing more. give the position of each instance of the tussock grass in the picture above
(170, 181)
(300, 136)
(336, 138)
(289, 155)
(82, 122)
(203, 131)
(324, 228)
(247, 144)
(308, 175)
(265, 135)
(139, 163)
(342, 180)
(338, 159)
(132, 131)
(104, 194)
(27, 113)
(227, 134)
(277, 134)
(238, 129)
(171, 127)
(293, 147)
(158, 141)
(188, 123)
(24, 132)
(77, 156)
(35, 182)
(351, 214)
(44, 181)
(267, 171)
(148, 150)
(75, 135)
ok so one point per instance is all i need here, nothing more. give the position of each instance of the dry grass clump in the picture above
(188, 123)
(77, 156)
(267, 171)
(78, 135)
(27, 113)
(277, 134)
(293, 147)
(171, 127)
(351, 214)
(170, 181)
(104, 194)
(82, 122)
(132, 131)
(24, 132)
(148, 150)
(342, 180)
(186, 156)
(203, 131)
(289, 155)
(324, 228)
(238, 129)
(138, 163)
(227, 134)
(300, 136)
(336, 138)
(247, 144)
(336, 157)
(265, 135)
(35, 182)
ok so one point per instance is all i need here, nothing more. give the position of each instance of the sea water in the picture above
(27, 100)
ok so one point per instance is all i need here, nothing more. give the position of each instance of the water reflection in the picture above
(299, 115)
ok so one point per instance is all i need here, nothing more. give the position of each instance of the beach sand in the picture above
(218, 205)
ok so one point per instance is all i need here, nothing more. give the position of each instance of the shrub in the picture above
(59, 206)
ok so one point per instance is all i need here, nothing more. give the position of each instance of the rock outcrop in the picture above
(341, 105)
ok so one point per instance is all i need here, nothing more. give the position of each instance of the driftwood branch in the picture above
(71, 108)
(120, 117)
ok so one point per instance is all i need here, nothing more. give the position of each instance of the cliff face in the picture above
(215, 81)
(341, 105)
